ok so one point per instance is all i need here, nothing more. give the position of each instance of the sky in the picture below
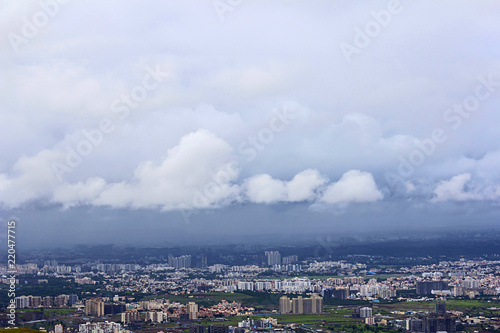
(173, 121)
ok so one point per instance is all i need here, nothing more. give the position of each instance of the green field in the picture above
(332, 316)
(469, 307)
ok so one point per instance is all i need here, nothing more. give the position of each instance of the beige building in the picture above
(94, 307)
(192, 308)
(300, 305)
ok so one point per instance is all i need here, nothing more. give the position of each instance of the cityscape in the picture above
(242, 166)
(276, 291)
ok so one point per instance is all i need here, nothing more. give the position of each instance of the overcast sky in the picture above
(128, 120)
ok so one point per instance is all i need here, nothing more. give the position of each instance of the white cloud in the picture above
(454, 189)
(32, 178)
(302, 187)
(353, 186)
(197, 173)
(265, 189)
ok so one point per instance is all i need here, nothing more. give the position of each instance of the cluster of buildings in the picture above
(99, 327)
(33, 302)
(300, 305)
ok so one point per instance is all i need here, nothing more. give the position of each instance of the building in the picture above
(94, 307)
(243, 285)
(426, 287)
(114, 308)
(156, 316)
(218, 329)
(440, 308)
(339, 292)
(47, 302)
(196, 328)
(285, 305)
(180, 262)
(290, 260)
(458, 291)
(129, 316)
(439, 321)
(72, 299)
(365, 312)
(192, 308)
(434, 323)
(300, 305)
(273, 258)
(22, 302)
(101, 327)
(35, 301)
(58, 329)
(61, 301)
(470, 283)
(414, 325)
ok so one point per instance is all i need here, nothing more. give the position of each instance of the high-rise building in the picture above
(218, 329)
(129, 316)
(203, 260)
(47, 302)
(94, 307)
(434, 324)
(114, 308)
(285, 305)
(58, 329)
(35, 301)
(61, 301)
(273, 258)
(414, 325)
(156, 316)
(300, 305)
(101, 327)
(290, 260)
(180, 262)
(439, 321)
(458, 291)
(366, 312)
(440, 308)
(192, 308)
(426, 287)
(72, 299)
(316, 304)
(196, 328)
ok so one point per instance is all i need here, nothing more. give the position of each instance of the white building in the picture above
(105, 327)
(366, 312)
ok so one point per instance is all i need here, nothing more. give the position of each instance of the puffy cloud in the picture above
(265, 189)
(32, 178)
(353, 186)
(302, 187)
(197, 173)
(455, 190)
